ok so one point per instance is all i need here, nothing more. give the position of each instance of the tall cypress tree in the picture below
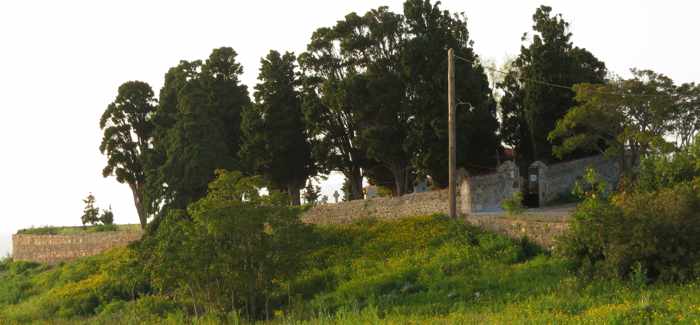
(197, 128)
(275, 138)
(430, 33)
(532, 108)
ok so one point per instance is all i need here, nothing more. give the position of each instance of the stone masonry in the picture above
(52, 249)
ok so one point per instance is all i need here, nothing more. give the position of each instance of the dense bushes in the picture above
(233, 250)
(647, 234)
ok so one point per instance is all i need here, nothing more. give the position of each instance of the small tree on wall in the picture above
(90, 212)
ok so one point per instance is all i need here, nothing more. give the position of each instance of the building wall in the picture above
(52, 249)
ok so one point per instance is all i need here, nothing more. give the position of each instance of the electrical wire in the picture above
(546, 83)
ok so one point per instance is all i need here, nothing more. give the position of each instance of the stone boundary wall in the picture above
(484, 193)
(52, 249)
(540, 231)
(386, 208)
(541, 228)
(559, 179)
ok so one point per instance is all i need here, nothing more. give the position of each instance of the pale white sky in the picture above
(62, 61)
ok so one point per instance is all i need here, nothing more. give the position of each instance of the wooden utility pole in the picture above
(451, 106)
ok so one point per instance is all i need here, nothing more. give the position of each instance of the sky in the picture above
(61, 63)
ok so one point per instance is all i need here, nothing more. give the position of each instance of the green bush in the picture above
(663, 171)
(514, 204)
(633, 235)
(105, 227)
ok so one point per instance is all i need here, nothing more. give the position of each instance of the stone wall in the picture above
(414, 204)
(543, 232)
(558, 180)
(485, 193)
(52, 249)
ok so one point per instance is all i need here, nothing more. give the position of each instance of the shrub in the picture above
(663, 171)
(514, 204)
(105, 227)
(107, 217)
(231, 250)
(654, 234)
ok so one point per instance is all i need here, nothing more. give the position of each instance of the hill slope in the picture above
(415, 270)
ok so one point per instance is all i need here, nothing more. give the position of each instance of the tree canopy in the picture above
(626, 119)
(128, 127)
(537, 90)
(275, 138)
(197, 127)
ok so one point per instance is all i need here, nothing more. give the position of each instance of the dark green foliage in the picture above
(197, 128)
(375, 97)
(128, 127)
(90, 212)
(430, 32)
(531, 109)
(634, 235)
(275, 141)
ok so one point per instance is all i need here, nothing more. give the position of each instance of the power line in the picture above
(546, 83)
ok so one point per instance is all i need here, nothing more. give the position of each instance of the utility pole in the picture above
(451, 106)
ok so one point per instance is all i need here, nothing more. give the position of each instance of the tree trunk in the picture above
(400, 179)
(140, 209)
(355, 178)
(293, 192)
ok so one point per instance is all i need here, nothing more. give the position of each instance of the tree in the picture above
(376, 42)
(107, 216)
(430, 32)
(626, 119)
(90, 212)
(330, 107)
(197, 128)
(687, 116)
(128, 127)
(276, 143)
(531, 105)
(375, 97)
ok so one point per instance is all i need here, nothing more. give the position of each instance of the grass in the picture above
(423, 270)
(51, 230)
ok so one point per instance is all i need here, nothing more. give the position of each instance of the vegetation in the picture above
(647, 232)
(367, 98)
(624, 119)
(420, 270)
(127, 129)
(233, 250)
(50, 230)
(90, 212)
(275, 143)
(514, 205)
(530, 105)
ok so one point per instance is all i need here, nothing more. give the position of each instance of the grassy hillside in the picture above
(418, 270)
